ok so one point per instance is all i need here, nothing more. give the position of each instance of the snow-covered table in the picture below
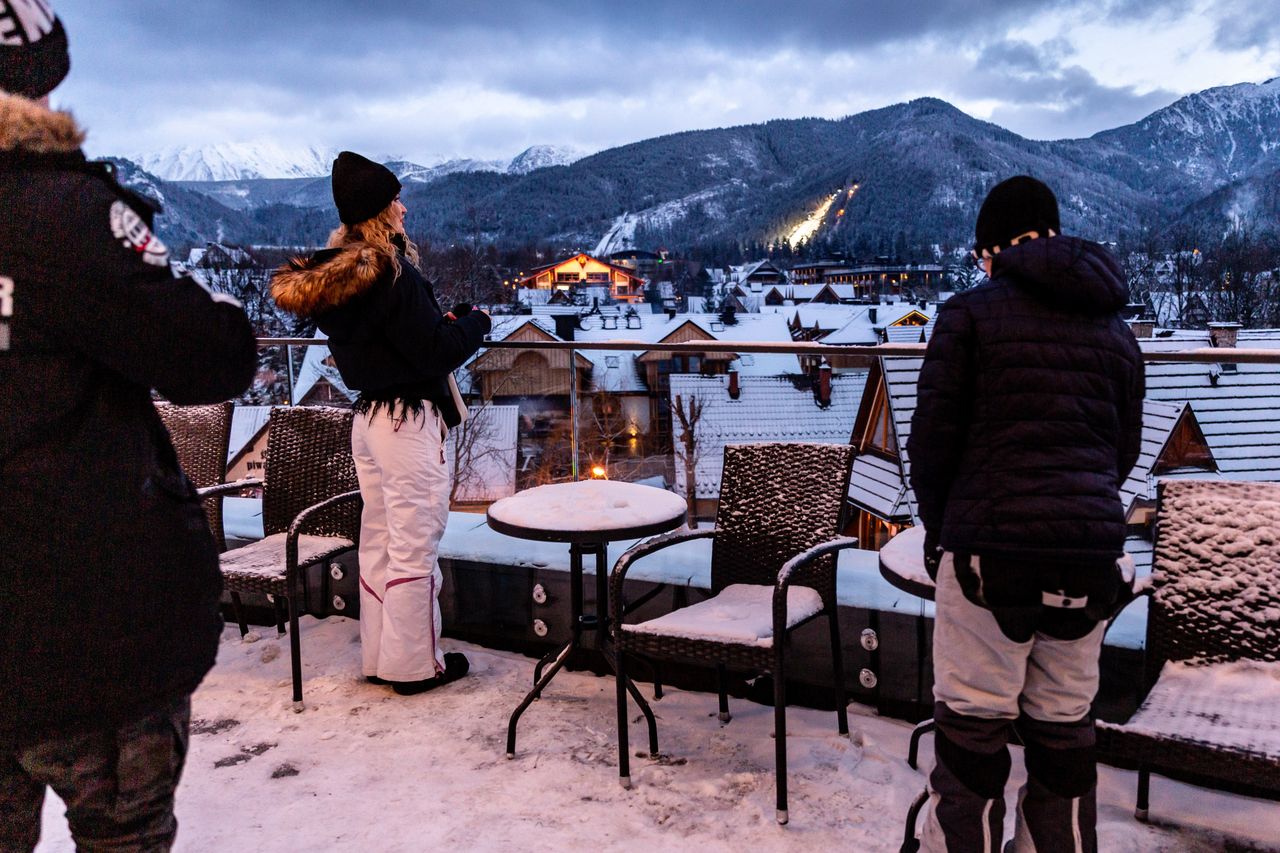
(902, 563)
(588, 514)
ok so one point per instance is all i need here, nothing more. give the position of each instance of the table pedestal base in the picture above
(597, 622)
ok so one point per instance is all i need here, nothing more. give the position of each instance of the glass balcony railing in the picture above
(547, 410)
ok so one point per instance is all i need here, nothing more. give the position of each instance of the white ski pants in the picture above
(984, 685)
(404, 481)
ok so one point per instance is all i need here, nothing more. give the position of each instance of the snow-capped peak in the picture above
(237, 161)
(541, 156)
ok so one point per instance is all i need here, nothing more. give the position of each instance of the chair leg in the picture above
(911, 844)
(624, 761)
(238, 609)
(913, 751)
(295, 653)
(837, 662)
(722, 684)
(1144, 794)
(280, 615)
(780, 737)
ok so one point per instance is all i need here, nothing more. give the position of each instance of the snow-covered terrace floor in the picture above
(363, 769)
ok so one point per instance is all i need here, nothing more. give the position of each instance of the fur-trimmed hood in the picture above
(308, 287)
(29, 127)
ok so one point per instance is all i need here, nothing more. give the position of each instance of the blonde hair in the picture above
(377, 233)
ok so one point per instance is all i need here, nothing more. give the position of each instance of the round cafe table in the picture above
(588, 515)
(902, 563)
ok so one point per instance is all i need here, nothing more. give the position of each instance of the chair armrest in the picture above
(794, 569)
(227, 488)
(801, 561)
(642, 549)
(295, 526)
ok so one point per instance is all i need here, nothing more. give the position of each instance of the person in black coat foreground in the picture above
(109, 580)
(1029, 418)
(394, 344)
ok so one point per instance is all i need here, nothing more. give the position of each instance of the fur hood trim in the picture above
(27, 126)
(311, 286)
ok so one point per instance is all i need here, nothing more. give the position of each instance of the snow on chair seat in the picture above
(1228, 706)
(773, 548)
(264, 561)
(742, 613)
(1213, 651)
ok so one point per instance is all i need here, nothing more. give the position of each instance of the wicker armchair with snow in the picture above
(773, 569)
(1213, 650)
(310, 513)
(200, 435)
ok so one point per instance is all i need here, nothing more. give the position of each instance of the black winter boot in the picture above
(456, 665)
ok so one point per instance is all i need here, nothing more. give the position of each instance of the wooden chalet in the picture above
(1237, 405)
(582, 270)
(500, 373)
(657, 368)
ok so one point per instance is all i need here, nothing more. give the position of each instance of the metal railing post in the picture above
(288, 348)
(573, 412)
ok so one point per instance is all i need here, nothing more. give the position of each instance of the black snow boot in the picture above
(456, 665)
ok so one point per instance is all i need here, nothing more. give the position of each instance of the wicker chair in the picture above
(773, 552)
(310, 511)
(1213, 651)
(200, 435)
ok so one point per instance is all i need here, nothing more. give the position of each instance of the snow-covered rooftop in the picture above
(1237, 406)
(868, 322)
(767, 409)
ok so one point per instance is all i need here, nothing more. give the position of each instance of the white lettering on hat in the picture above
(24, 22)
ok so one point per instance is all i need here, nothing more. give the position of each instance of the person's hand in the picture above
(932, 553)
(458, 311)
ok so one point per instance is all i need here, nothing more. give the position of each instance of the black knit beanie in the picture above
(33, 48)
(1012, 208)
(361, 188)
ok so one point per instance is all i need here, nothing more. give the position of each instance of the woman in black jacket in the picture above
(393, 343)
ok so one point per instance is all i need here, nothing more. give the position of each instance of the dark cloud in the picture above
(1057, 104)
(486, 78)
(1244, 25)
(1017, 56)
(1146, 10)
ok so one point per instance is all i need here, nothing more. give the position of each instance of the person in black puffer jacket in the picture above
(394, 344)
(1028, 419)
(109, 578)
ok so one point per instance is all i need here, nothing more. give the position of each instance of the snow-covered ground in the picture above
(363, 769)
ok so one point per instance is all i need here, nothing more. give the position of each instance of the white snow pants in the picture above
(404, 481)
(985, 684)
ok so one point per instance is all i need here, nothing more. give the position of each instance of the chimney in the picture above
(734, 390)
(1224, 335)
(1143, 328)
(824, 384)
(565, 325)
(871, 315)
(671, 313)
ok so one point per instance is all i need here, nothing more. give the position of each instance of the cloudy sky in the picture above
(477, 78)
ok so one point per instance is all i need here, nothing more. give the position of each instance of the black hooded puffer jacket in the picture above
(1029, 409)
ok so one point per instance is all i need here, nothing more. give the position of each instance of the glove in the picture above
(459, 311)
(932, 554)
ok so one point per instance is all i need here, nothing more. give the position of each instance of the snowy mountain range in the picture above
(236, 161)
(912, 174)
(244, 161)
